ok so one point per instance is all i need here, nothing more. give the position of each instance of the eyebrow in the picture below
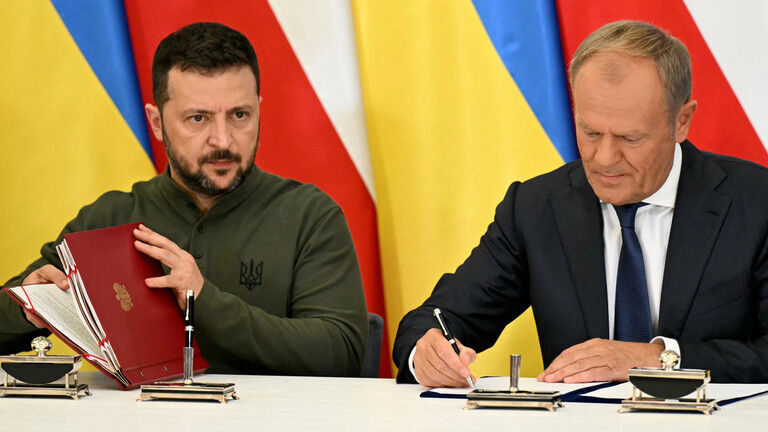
(245, 107)
(196, 111)
(584, 125)
(634, 132)
(191, 111)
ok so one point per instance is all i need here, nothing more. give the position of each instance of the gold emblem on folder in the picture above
(121, 294)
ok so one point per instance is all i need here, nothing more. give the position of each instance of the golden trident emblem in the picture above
(121, 294)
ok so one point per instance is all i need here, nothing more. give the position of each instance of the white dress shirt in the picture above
(652, 225)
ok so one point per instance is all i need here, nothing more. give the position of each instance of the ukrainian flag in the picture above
(71, 117)
(462, 98)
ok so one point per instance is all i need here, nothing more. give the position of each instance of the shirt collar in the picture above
(667, 193)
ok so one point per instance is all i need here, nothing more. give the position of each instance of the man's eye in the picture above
(629, 139)
(241, 114)
(197, 118)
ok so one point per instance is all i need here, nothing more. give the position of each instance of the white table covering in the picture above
(340, 404)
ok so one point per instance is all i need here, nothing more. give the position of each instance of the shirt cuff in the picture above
(410, 364)
(669, 344)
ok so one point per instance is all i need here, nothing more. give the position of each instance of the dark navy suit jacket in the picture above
(544, 249)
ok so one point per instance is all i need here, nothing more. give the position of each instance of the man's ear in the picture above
(683, 120)
(155, 121)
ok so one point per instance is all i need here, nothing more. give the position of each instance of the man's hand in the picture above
(437, 365)
(184, 273)
(601, 360)
(45, 274)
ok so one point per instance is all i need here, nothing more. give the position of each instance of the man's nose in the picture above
(608, 151)
(220, 135)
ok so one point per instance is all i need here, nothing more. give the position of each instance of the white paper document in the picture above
(714, 391)
(502, 383)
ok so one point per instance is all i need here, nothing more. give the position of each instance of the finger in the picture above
(431, 377)
(33, 278)
(146, 235)
(451, 361)
(438, 360)
(602, 373)
(167, 281)
(572, 354)
(576, 367)
(427, 374)
(467, 355)
(55, 275)
(163, 255)
(446, 363)
(568, 361)
(456, 377)
(47, 274)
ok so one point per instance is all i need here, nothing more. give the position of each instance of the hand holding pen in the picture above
(440, 363)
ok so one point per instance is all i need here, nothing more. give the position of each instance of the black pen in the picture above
(449, 336)
(189, 329)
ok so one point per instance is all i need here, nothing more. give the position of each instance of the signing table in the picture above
(340, 404)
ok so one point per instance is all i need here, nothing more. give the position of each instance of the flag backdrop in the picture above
(453, 101)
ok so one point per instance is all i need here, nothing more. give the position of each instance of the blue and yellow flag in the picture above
(461, 99)
(71, 118)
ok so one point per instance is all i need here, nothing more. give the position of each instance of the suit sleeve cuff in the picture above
(671, 345)
(410, 364)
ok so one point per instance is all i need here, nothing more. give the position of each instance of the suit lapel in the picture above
(580, 224)
(699, 214)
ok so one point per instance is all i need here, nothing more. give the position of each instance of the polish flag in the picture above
(313, 125)
(726, 41)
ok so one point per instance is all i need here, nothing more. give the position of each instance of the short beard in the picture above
(198, 181)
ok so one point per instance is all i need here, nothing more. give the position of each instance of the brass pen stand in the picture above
(41, 374)
(188, 390)
(666, 387)
(221, 392)
(514, 397)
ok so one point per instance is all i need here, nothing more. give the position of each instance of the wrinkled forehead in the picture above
(229, 86)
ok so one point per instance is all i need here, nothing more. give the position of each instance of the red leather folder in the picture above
(144, 326)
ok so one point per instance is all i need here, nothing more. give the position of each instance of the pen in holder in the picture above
(189, 328)
(514, 397)
(188, 389)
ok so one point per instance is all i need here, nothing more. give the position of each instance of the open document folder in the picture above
(131, 332)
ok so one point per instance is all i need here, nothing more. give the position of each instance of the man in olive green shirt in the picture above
(271, 260)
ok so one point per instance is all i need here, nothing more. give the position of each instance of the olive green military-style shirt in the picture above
(282, 292)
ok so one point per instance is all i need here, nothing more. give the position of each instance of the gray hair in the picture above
(639, 39)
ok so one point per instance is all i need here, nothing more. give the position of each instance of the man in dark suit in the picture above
(644, 244)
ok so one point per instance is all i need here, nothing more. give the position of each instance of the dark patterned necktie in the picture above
(632, 319)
